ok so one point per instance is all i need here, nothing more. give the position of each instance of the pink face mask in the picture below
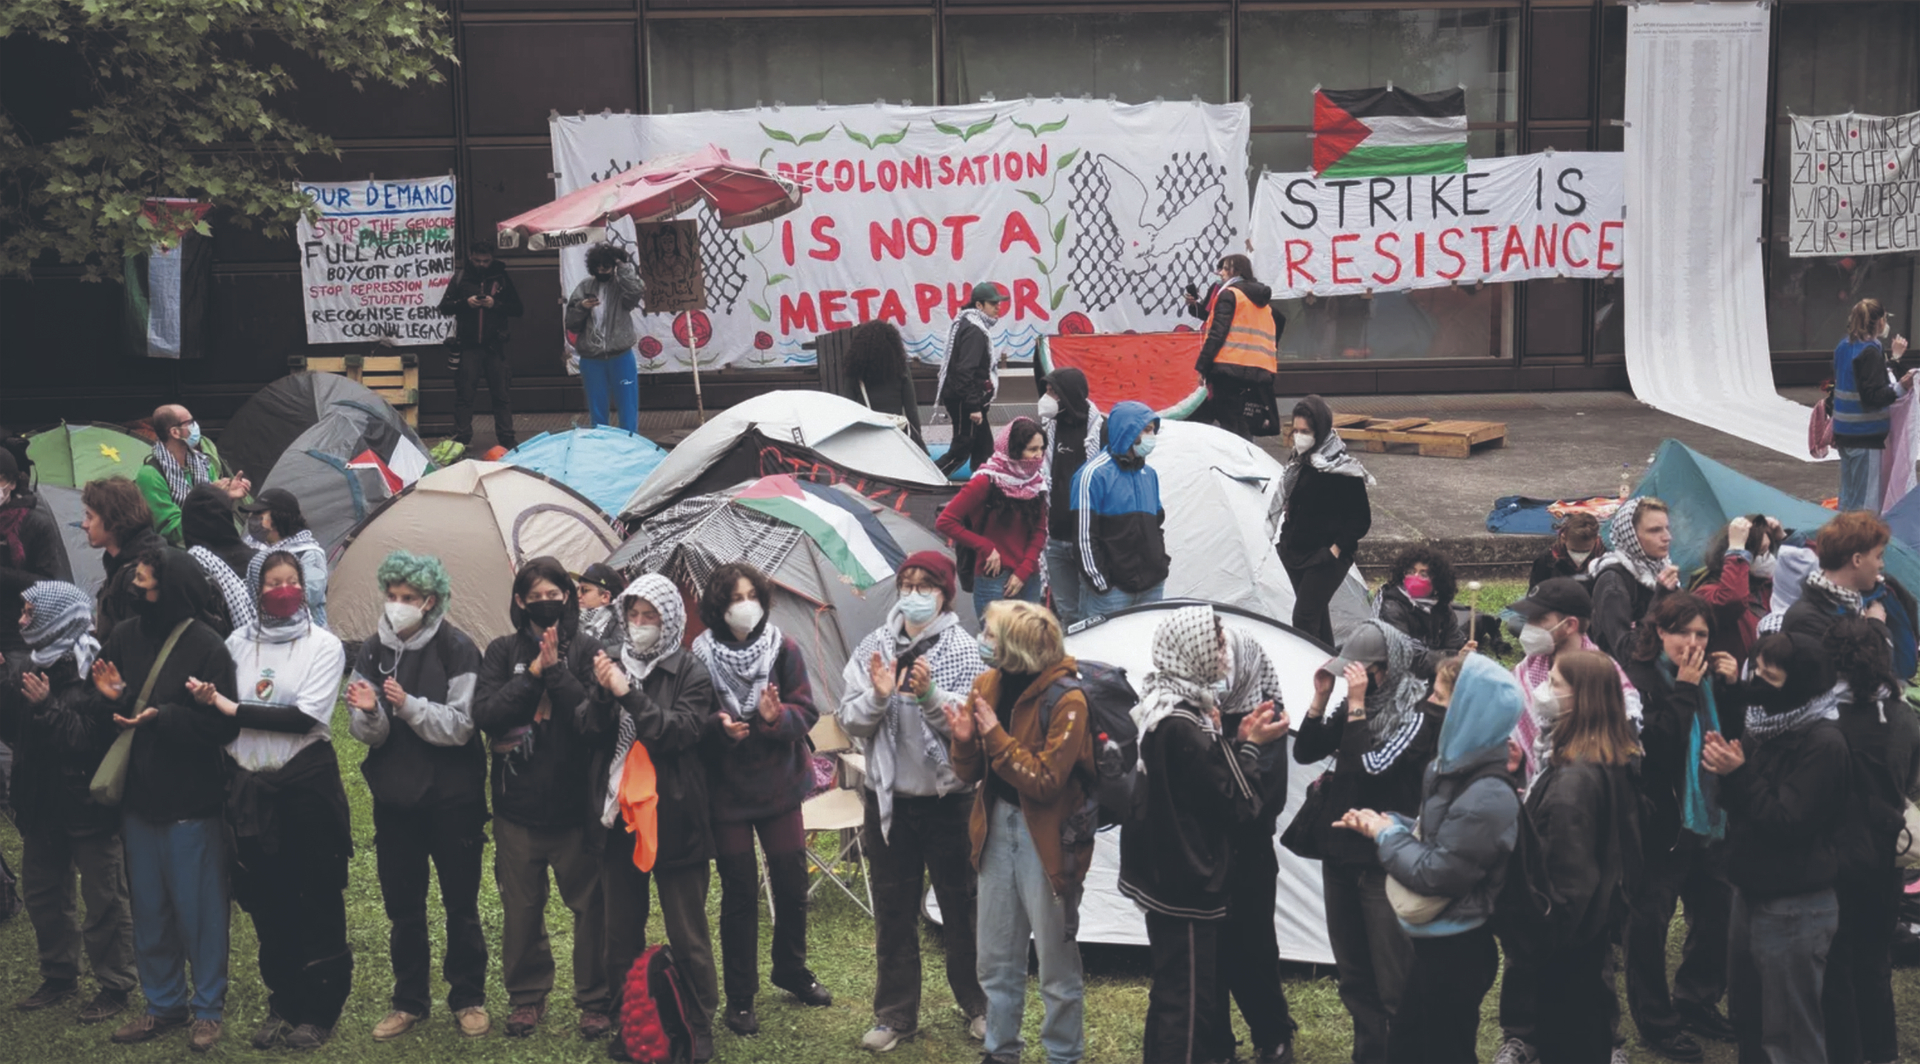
(1417, 586)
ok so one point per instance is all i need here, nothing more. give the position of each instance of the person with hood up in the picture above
(598, 586)
(1000, 517)
(760, 769)
(600, 317)
(175, 795)
(30, 545)
(1418, 600)
(1790, 574)
(969, 379)
(533, 701)
(1784, 785)
(1575, 550)
(287, 808)
(483, 303)
(881, 375)
(181, 458)
(1073, 427)
(897, 684)
(1685, 696)
(1120, 522)
(63, 831)
(1239, 356)
(1629, 579)
(1175, 859)
(1381, 739)
(428, 775)
(654, 698)
(1557, 613)
(1852, 580)
(116, 521)
(1024, 737)
(274, 521)
(1324, 515)
(1737, 582)
(1468, 826)
(207, 527)
(1883, 752)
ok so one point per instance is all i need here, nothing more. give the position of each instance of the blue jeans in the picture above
(1776, 967)
(1860, 479)
(177, 879)
(1106, 603)
(989, 589)
(1063, 578)
(1017, 900)
(617, 377)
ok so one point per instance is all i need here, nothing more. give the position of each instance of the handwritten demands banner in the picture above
(377, 260)
(1855, 181)
(1510, 219)
(1089, 215)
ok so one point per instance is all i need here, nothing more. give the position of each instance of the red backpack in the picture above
(653, 1010)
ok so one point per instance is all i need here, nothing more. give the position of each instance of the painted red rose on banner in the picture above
(649, 347)
(1076, 324)
(694, 324)
(763, 341)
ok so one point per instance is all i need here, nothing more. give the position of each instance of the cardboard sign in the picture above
(668, 258)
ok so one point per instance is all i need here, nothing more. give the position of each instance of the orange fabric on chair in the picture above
(640, 805)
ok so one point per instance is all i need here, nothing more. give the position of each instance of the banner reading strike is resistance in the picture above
(376, 262)
(1855, 185)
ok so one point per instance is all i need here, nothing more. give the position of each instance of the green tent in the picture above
(72, 453)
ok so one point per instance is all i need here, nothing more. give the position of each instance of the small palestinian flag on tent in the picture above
(845, 531)
(1389, 132)
(168, 286)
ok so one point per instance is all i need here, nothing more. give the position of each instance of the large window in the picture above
(1284, 54)
(724, 64)
(1133, 57)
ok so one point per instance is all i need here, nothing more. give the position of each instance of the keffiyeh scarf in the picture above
(62, 624)
(1018, 478)
(740, 673)
(979, 318)
(1627, 553)
(181, 479)
(1186, 662)
(1848, 597)
(1331, 456)
(240, 605)
(659, 592)
(1763, 726)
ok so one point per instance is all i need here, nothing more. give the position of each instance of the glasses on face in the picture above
(908, 589)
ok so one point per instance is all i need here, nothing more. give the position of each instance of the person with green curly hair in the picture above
(411, 701)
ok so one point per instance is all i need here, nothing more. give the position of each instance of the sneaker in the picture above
(308, 1036)
(1619, 1056)
(270, 1032)
(1707, 1022)
(595, 1025)
(977, 1028)
(146, 1027)
(105, 1005)
(524, 1018)
(52, 992)
(882, 1039)
(810, 993)
(742, 1021)
(205, 1035)
(1515, 1051)
(1280, 1054)
(396, 1024)
(474, 1021)
(1677, 1046)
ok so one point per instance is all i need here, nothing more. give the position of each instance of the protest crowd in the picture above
(1733, 743)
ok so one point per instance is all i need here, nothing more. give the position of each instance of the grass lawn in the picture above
(841, 954)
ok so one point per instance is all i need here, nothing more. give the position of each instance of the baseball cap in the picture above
(603, 576)
(987, 292)
(1562, 595)
(270, 500)
(1367, 645)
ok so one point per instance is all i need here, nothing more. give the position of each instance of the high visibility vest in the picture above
(1850, 415)
(1251, 341)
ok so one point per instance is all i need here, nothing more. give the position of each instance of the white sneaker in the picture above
(1515, 1051)
(1619, 1055)
(977, 1029)
(881, 1039)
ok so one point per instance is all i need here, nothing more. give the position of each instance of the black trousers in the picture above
(1695, 874)
(929, 841)
(296, 896)
(1249, 954)
(1181, 1004)
(1228, 399)
(452, 838)
(971, 442)
(783, 840)
(1858, 996)
(1313, 589)
(489, 359)
(1439, 1018)
(683, 909)
(1573, 1002)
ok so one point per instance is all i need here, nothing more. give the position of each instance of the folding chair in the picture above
(840, 808)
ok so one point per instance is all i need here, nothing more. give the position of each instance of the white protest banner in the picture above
(1510, 219)
(377, 260)
(1855, 185)
(1089, 215)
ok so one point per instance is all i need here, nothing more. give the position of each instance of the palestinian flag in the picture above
(169, 285)
(848, 534)
(1389, 132)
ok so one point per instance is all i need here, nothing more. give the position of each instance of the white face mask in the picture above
(643, 638)
(1546, 704)
(1763, 565)
(1579, 556)
(404, 616)
(1886, 326)
(1302, 442)
(1535, 640)
(6, 492)
(1048, 408)
(919, 607)
(744, 617)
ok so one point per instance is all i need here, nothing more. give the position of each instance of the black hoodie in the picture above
(206, 520)
(1326, 509)
(1222, 319)
(475, 326)
(1069, 453)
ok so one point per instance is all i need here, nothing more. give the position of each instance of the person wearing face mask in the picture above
(1240, 353)
(1073, 426)
(1631, 578)
(288, 810)
(1174, 860)
(650, 789)
(759, 771)
(1784, 785)
(1323, 505)
(1417, 598)
(1737, 582)
(182, 458)
(411, 700)
(1557, 613)
(274, 520)
(1120, 523)
(898, 681)
(533, 700)
(999, 520)
(968, 379)
(1863, 393)
(1852, 580)
(598, 586)
(600, 316)
(116, 520)
(1575, 549)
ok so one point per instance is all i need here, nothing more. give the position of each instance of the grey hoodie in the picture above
(605, 330)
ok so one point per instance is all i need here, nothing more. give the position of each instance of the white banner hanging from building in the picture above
(1855, 183)
(1510, 219)
(377, 260)
(1089, 216)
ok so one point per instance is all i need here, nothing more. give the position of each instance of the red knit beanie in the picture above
(937, 565)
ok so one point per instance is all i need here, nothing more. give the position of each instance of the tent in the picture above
(604, 463)
(74, 452)
(349, 461)
(843, 431)
(267, 424)
(1904, 519)
(483, 520)
(1702, 496)
(82, 557)
(817, 599)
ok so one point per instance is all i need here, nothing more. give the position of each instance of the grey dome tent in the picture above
(267, 424)
(355, 457)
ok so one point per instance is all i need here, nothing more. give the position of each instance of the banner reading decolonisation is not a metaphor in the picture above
(376, 262)
(1516, 218)
(1089, 215)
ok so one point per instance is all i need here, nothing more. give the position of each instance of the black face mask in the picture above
(1771, 699)
(146, 611)
(546, 613)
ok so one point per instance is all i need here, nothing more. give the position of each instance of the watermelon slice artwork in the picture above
(1153, 368)
(1389, 132)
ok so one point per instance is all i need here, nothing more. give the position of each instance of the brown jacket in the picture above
(1039, 766)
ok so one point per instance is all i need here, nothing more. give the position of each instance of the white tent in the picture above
(843, 431)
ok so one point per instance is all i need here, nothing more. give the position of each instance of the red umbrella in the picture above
(742, 195)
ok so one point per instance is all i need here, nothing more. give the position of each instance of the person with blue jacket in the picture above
(1863, 393)
(1119, 519)
(1456, 857)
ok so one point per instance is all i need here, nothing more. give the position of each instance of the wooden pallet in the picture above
(395, 378)
(1431, 439)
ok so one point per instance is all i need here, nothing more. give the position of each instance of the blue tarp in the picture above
(1904, 519)
(1518, 515)
(603, 463)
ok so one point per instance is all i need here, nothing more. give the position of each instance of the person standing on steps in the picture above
(1325, 514)
(1863, 393)
(483, 302)
(600, 315)
(969, 379)
(1240, 355)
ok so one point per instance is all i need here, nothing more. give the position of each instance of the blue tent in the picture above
(1904, 519)
(1702, 496)
(603, 463)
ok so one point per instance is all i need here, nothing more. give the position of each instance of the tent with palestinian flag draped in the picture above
(168, 286)
(1389, 132)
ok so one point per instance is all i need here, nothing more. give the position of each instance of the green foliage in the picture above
(179, 104)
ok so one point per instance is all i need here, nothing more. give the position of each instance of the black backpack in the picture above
(1116, 739)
